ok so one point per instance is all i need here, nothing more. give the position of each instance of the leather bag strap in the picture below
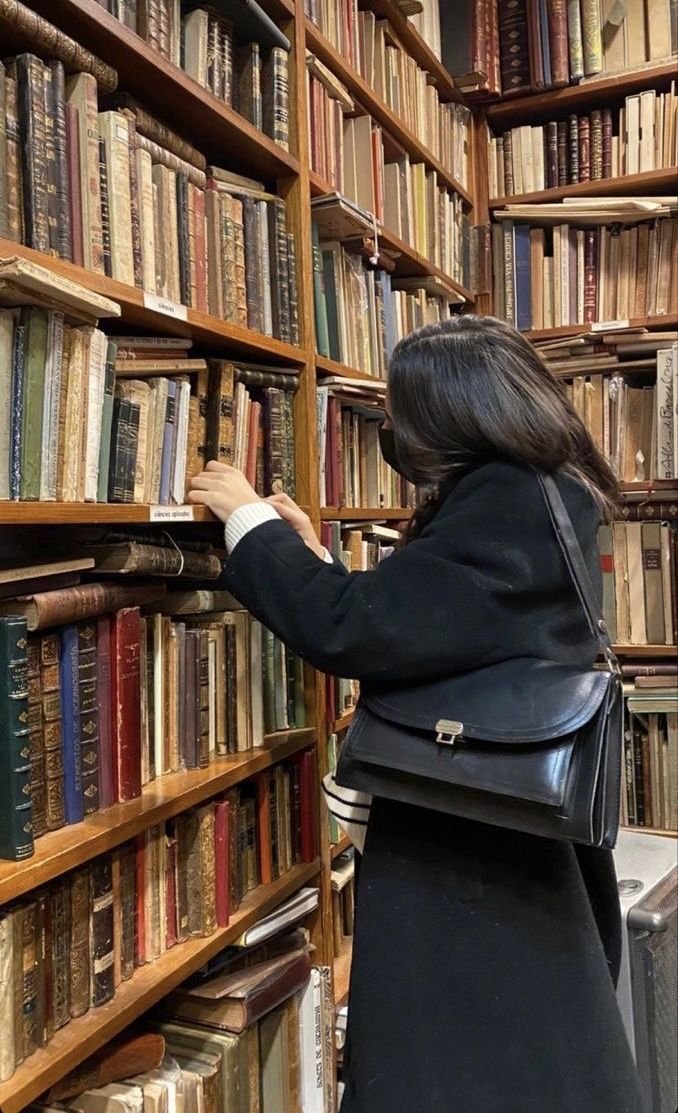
(576, 565)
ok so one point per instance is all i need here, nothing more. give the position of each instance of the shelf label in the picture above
(608, 326)
(170, 514)
(163, 305)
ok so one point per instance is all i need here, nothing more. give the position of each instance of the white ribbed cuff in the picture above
(246, 518)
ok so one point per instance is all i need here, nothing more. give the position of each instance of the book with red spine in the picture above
(222, 855)
(126, 703)
(309, 805)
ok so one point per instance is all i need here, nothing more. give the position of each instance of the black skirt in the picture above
(480, 982)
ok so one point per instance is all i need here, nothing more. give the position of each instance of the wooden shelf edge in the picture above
(665, 832)
(340, 847)
(57, 852)
(363, 513)
(608, 86)
(325, 366)
(144, 71)
(199, 326)
(73, 1043)
(92, 513)
(568, 331)
(600, 187)
(343, 721)
(376, 107)
(341, 975)
(645, 650)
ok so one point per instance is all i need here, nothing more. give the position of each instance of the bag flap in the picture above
(521, 700)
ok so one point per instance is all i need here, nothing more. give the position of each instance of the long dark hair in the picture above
(472, 389)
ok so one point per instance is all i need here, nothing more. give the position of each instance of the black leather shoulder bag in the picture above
(526, 744)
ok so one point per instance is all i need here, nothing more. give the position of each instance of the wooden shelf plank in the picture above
(410, 262)
(565, 331)
(340, 847)
(217, 130)
(326, 366)
(363, 513)
(373, 104)
(199, 326)
(88, 513)
(71, 846)
(601, 90)
(645, 650)
(647, 182)
(342, 975)
(664, 831)
(343, 721)
(72, 1044)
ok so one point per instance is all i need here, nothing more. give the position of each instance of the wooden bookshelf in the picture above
(342, 974)
(340, 847)
(326, 366)
(343, 721)
(664, 831)
(73, 1043)
(417, 47)
(364, 514)
(217, 130)
(373, 104)
(601, 90)
(650, 181)
(653, 651)
(97, 513)
(136, 309)
(71, 846)
(568, 331)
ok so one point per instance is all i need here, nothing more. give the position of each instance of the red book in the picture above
(252, 442)
(309, 805)
(558, 42)
(126, 703)
(264, 849)
(170, 893)
(139, 917)
(222, 855)
(590, 273)
(107, 793)
(75, 199)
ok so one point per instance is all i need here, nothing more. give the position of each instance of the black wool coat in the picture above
(484, 960)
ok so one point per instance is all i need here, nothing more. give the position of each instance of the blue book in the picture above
(17, 411)
(70, 723)
(545, 45)
(522, 266)
(168, 443)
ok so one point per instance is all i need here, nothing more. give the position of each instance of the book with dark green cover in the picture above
(16, 807)
(106, 421)
(18, 367)
(322, 338)
(35, 356)
(30, 73)
(4, 221)
(57, 110)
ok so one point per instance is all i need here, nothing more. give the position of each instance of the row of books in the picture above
(361, 312)
(608, 143)
(92, 188)
(352, 470)
(221, 54)
(74, 942)
(515, 47)
(640, 597)
(650, 783)
(255, 1037)
(360, 547)
(569, 275)
(375, 52)
(117, 700)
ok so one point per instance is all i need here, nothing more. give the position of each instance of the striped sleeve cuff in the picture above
(246, 518)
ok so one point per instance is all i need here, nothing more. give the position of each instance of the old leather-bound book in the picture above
(101, 930)
(124, 1057)
(80, 941)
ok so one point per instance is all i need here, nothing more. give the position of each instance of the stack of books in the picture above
(239, 55)
(606, 143)
(607, 259)
(72, 945)
(650, 783)
(640, 596)
(343, 900)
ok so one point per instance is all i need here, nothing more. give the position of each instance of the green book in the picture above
(35, 358)
(322, 338)
(106, 422)
(16, 806)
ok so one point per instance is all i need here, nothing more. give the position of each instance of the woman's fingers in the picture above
(205, 482)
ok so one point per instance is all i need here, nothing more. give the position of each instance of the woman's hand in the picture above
(221, 488)
(291, 513)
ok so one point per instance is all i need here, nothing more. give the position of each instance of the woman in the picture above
(484, 959)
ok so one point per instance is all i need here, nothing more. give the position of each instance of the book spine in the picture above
(184, 239)
(16, 829)
(106, 422)
(551, 155)
(591, 30)
(101, 930)
(30, 74)
(584, 149)
(36, 739)
(103, 659)
(563, 176)
(63, 184)
(13, 160)
(254, 306)
(60, 913)
(4, 207)
(558, 41)
(573, 132)
(576, 44)
(30, 979)
(596, 144)
(127, 910)
(74, 179)
(50, 684)
(135, 206)
(80, 941)
(607, 142)
(293, 299)
(590, 274)
(125, 703)
(70, 718)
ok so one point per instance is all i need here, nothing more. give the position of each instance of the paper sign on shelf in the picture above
(170, 514)
(165, 306)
